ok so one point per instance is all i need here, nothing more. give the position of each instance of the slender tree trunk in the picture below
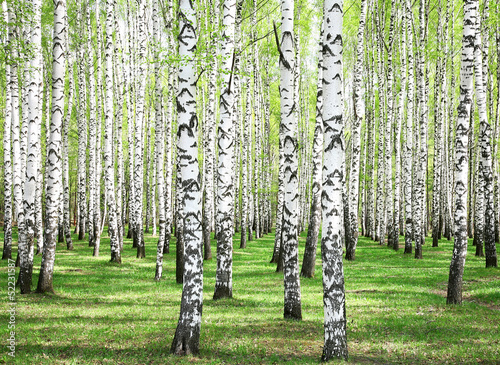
(26, 248)
(7, 158)
(359, 115)
(292, 302)
(309, 261)
(461, 156)
(65, 166)
(187, 335)
(225, 199)
(54, 165)
(335, 345)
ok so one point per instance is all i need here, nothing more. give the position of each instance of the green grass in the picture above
(105, 313)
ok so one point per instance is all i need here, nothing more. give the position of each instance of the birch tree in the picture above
(289, 228)
(54, 165)
(454, 295)
(335, 344)
(26, 245)
(359, 114)
(225, 189)
(187, 334)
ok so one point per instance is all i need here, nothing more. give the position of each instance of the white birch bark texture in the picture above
(139, 124)
(394, 236)
(208, 206)
(16, 147)
(421, 161)
(82, 137)
(26, 248)
(408, 144)
(245, 148)
(109, 173)
(454, 295)
(93, 125)
(309, 261)
(225, 189)
(54, 160)
(65, 167)
(359, 115)
(335, 345)
(187, 335)
(292, 301)
(7, 158)
(159, 146)
(485, 158)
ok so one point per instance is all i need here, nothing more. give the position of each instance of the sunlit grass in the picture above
(117, 314)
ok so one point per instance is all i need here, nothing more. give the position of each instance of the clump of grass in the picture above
(117, 314)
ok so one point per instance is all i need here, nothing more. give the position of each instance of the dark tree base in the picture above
(69, 244)
(44, 285)
(479, 250)
(491, 261)
(350, 254)
(81, 235)
(435, 239)
(116, 258)
(141, 251)
(129, 233)
(295, 314)
(7, 253)
(334, 353)
(418, 253)
(222, 292)
(185, 342)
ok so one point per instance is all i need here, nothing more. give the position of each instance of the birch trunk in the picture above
(454, 295)
(187, 334)
(359, 115)
(292, 302)
(7, 158)
(225, 198)
(26, 248)
(309, 261)
(335, 344)
(54, 165)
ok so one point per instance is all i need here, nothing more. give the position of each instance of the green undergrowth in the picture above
(104, 313)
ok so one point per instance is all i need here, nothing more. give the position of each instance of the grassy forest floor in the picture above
(104, 313)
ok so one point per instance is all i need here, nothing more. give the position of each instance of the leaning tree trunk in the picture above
(187, 334)
(289, 234)
(335, 345)
(53, 164)
(462, 156)
(225, 190)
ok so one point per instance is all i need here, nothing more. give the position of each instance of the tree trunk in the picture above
(461, 156)
(187, 335)
(335, 344)
(53, 164)
(292, 302)
(309, 261)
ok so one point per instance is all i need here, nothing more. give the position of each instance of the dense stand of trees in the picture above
(211, 116)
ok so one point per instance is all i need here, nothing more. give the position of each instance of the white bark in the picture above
(335, 345)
